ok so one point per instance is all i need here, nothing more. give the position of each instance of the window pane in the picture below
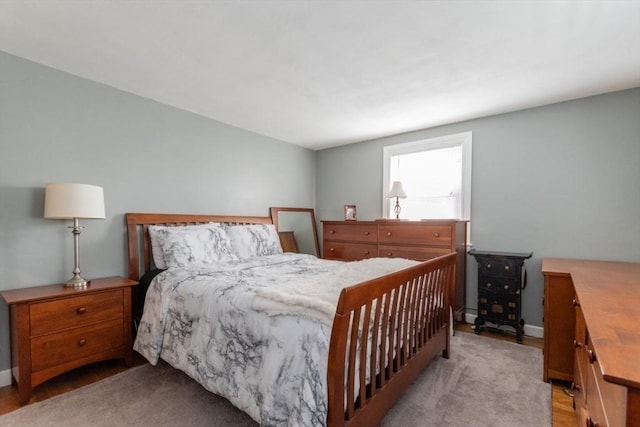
(432, 180)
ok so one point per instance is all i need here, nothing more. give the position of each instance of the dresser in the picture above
(501, 280)
(418, 240)
(605, 343)
(55, 329)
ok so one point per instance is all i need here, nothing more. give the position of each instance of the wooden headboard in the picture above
(138, 233)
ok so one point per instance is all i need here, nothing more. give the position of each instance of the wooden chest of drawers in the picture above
(419, 240)
(501, 279)
(605, 344)
(55, 329)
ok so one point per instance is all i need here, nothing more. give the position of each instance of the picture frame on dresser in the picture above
(350, 213)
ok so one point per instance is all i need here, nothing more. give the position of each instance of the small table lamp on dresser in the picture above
(398, 193)
(74, 201)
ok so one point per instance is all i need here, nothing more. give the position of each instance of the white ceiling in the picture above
(326, 73)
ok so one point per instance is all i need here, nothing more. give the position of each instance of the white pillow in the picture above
(197, 245)
(254, 240)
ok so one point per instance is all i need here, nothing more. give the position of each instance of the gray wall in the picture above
(149, 157)
(561, 180)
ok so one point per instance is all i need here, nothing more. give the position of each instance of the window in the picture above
(436, 177)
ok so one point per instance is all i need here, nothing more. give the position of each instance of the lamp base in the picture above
(77, 282)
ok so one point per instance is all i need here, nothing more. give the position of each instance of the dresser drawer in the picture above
(498, 308)
(499, 285)
(50, 316)
(499, 267)
(351, 232)
(411, 252)
(349, 251)
(417, 234)
(62, 347)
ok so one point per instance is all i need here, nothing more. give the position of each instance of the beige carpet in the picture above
(486, 382)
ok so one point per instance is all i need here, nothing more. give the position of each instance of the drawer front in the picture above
(351, 232)
(505, 310)
(50, 316)
(62, 347)
(504, 267)
(418, 234)
(411, 252)
(499, 285)
(348, 251)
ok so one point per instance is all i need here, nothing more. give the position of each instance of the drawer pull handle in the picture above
(366, 233)
(366, 252)
(488, 285)
(389, 253)
(592, 356)
(388, 233)
(332, 231)
(506, 287)
(81, 310)
(506, 267)
(576, 344)
(331, 249)
(488, 265)
(436, 234)
(82, 342)
(576, 303)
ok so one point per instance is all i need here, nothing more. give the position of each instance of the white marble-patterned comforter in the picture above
(256, 332)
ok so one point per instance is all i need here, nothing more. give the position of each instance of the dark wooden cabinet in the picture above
(55, 329)
(501, 280)
(419, 240)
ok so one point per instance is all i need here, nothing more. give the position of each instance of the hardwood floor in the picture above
(562, 407)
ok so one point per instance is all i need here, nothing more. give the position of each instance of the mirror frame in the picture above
(274, 218)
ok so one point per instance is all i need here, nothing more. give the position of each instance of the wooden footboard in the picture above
(404, 317)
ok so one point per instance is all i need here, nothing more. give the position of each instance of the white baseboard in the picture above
(5, 378)
(529, 330)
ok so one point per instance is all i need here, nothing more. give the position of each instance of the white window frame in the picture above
(463, 140)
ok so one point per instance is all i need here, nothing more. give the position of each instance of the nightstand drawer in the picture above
(50, 316)
(499, 267)
(499, 285)
(411, 252)
(56, 349)
(417, 234)
(349, 251)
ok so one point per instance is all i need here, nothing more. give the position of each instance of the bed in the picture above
(254, 331)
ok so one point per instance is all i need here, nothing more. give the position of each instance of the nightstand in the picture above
(56, 329)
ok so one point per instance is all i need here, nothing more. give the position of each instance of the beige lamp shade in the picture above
(397, 190)
(68, 201)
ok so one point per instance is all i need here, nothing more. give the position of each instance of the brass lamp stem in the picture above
(77, 281)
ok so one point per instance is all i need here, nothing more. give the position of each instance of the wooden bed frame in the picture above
(409, 309)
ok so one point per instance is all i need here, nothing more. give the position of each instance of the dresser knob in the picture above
(488, 285)
(506, 287)
(388, 233)
(576, 303)
(81, 310)
(82, 342)
(591, 423)
(332, 231)
(366, 233)
(592, 356)
(506, 267)
(436, 234)
(488, 265)
(575, 386)
(366, 252)
(576, 344)
(389, 253)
